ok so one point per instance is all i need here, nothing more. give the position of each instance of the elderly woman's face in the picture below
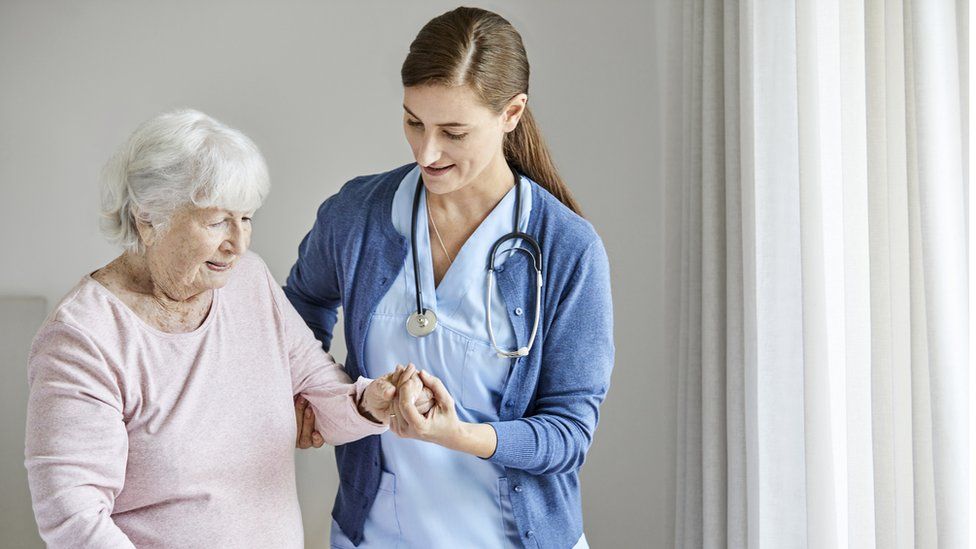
(200, 248)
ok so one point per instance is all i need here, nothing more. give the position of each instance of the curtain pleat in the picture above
(822, 274)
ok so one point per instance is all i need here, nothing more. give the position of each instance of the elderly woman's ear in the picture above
(147, 233)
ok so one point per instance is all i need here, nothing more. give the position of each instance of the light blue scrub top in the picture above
(430, 496)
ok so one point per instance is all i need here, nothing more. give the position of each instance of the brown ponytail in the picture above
(527, 152)
(481, 49)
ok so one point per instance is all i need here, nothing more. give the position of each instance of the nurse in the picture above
(495, 462)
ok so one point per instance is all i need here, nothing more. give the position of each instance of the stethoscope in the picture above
(423, 321)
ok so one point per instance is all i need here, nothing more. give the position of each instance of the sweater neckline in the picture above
(139, 321)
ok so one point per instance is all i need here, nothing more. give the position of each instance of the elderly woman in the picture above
(161, 387)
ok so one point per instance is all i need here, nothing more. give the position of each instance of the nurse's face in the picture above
(454, 137)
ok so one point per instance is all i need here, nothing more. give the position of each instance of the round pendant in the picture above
(419, 325)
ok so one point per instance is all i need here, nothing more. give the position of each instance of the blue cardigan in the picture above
(550, 405)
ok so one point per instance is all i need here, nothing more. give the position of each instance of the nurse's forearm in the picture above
(474, 438)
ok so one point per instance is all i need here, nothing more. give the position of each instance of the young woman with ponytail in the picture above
(495, 461)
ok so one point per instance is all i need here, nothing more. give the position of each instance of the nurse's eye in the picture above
(415, 124)
(455, 136)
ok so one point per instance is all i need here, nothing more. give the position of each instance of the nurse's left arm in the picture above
(577, 358)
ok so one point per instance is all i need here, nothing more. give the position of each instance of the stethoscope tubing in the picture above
(535, 253)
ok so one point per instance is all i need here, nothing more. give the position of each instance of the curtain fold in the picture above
(820, 173)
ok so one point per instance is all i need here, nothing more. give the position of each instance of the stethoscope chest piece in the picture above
(421, 324)
(422, 321)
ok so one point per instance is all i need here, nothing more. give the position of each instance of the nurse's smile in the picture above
(437, 171)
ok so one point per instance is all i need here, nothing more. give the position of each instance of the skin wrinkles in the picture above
(171, 285)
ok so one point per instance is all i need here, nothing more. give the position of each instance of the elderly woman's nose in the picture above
(237, 239)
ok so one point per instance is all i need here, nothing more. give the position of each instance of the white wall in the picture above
(316, 85)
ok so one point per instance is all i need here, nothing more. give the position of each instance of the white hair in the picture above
(177, 159)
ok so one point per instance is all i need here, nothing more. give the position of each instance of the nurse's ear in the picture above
(513, 112)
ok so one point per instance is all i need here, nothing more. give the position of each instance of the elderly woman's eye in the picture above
(219, 223)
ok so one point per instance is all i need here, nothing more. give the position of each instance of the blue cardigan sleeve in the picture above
(577, 358)
(313, 283)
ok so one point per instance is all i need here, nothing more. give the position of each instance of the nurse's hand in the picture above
(439, 425)
(307, 436)
(376, 404)
(425, 400)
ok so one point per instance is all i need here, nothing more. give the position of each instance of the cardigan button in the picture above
(518, 487)
(518, 311)
(500, 269)
(529, 534)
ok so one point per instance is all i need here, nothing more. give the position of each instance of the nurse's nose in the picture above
(429, 153)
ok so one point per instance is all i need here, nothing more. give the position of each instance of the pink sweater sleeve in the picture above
(317, 377)
(76, 443)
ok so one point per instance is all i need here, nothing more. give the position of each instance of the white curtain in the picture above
(818, 183)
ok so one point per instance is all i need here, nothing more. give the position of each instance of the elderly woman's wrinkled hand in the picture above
(377, 400)
(409, 381)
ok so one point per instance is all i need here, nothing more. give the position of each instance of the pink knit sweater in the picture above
(137, 437)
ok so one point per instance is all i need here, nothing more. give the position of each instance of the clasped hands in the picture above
(414, 403)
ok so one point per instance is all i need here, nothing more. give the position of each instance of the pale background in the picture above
(316, 85)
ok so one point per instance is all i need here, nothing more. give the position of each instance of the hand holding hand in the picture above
(439, 424)
(379, 395)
